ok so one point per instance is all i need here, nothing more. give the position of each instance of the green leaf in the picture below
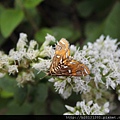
(40, 35)
(8, 84)
(6, 94)
(3, 102)
(87, 7)
(93, 31)
(42, 92)
(31, 3)
(67, 2)
(112, 26)
(1, 9)
(57, 107)
(40, 108)
(81, 7)
(20, 94)
(9, 20)
(16, 109)
(62, 32)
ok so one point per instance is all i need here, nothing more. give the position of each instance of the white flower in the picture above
(24, 78)
(67, 92)
(12, 69)
(43, 65)
(22, 41)
(47, 52)
(48, 39)
(2, 75)
(4, 60)
(89, 108)
(106, 109)
(32, 51)
(32, 54)
(17, 55)
(71, 109)
(73, 49)
(33, 44)
(104, 60)
(65, 85)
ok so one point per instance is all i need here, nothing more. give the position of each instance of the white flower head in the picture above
(4, 60)
(33, 44)
(47, 41)
(89, 108)
(32, 54)
(73, 49)
(42, 65)
(24, 78)
(17, 55)
(104, 61)
(22, 41)
(12, 69)
(2, 75)
(50, 38)
(48, 51)
(65, 85)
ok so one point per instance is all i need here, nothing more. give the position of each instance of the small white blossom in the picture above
(43, 65)
(24, 78)
(22, 41)
(48, 39)
(33, 44)
(2, 75)
(71, 109)
(32, 51)
(89, 108)
(48, 51)
(67, 92)
(17, 55)
(80, 85)
(32, 54)
(4, 60)
(51, 80)
(12, 69)
(73, 49)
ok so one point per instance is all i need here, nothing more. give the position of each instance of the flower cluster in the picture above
(26, 56)
(102, 58)
(88, 108)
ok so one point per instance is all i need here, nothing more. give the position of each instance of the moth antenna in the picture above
(44, 76)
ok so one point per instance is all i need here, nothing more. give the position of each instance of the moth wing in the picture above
(62, 49)
(61, 52)
(74, 68)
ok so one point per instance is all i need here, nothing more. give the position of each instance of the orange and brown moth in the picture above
(64, 65)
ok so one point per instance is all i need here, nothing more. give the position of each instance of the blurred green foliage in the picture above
(79, 21)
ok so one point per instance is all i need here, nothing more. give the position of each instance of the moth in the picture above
(64, 65)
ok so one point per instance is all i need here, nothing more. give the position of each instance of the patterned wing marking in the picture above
(64, 65)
